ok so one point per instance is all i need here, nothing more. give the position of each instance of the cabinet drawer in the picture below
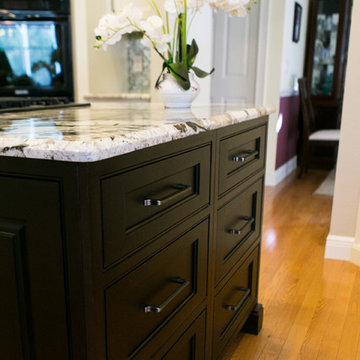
(139, 204)
(241, 156)
(190, 345)
(238, 226)
(150, 302)
(235, 301)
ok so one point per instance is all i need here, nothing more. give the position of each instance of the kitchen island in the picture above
(130, 231)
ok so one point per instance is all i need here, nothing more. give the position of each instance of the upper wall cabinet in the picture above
(329, 27)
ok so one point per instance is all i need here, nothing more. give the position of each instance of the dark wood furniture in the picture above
(311, 137)
(327, 47)
(149, 255)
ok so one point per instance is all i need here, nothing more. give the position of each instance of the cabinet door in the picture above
(238, 227)
(240, 157)
(189, 346)
(235, 301)
(147, 305)
(141, 203)
(33, 294)
(329, 29)
(325, 46)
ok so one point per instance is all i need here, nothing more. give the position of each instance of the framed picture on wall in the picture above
(297, 22)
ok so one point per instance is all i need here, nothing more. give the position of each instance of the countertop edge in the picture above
(108, 147)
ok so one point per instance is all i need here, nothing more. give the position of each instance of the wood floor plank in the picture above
(315, 332)
(311, 305)
(350, 338)
(339, 298)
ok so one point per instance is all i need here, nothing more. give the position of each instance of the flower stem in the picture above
(115, 31)
(174, 36)
(153, 3)
(158, 13)
(183, 35)
(167, 23)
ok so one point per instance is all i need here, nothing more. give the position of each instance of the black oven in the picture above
(35, 49)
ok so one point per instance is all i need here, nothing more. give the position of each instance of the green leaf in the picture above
(179, 72)
(192, 51)
(181, 75)
(162, 71)
(179, 69)
(201, 73)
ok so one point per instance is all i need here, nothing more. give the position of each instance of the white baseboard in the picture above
(355, 254)
(281, 173)
(339, 247)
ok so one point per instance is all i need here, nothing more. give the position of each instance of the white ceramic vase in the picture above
(173, 95)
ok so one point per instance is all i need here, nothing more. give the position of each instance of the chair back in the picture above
(306, 109)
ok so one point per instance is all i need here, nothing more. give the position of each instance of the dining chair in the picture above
(312, 137)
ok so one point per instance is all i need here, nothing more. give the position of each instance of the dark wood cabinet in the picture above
(238, 226)
(139, 204)
(235, 300)
(33, 268)
(327, 48)
(146, 305)
(190, 345)
(149, 255)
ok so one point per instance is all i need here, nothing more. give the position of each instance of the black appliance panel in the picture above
(35, 57)
(57, 6)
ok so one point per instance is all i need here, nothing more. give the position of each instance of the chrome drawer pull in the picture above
(241, 225)
(162, 306)
(245, 156)
(178, 190)
(241, 302)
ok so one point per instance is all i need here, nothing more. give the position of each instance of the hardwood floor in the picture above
(312, 305)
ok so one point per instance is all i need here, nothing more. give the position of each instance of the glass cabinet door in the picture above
(327, 22)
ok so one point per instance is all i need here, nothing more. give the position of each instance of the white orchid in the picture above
(153, 31)
(178, 6)
(177, 54)
(112, 27)
(237, 8)
(152, 25)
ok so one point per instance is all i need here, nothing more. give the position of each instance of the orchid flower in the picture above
(177, 54)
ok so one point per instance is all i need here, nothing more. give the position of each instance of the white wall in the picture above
(355, 251)
(80, 48)
(202, 32)
(108, 70)
(293, 58)
(284, 60)
(274, 50)
(344, 219)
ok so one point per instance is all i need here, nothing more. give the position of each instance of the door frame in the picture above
(262, 51)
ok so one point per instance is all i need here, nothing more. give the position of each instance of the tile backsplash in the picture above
(138, 65)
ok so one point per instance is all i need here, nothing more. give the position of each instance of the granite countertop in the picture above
(106, 130)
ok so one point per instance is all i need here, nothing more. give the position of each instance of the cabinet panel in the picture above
(241, 156)
(32, 247)
(190, 345)
(238, 226)
(139, 204)
(154, 298)
(235, 301)
(13, 328)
